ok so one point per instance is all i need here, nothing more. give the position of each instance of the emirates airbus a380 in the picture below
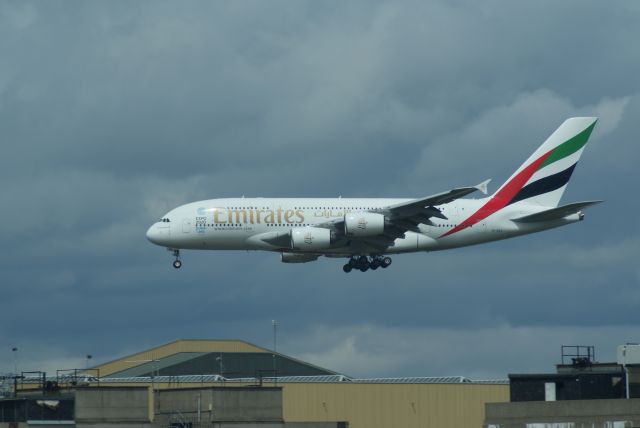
(366, 231)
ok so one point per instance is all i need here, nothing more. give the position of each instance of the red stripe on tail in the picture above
(503, 197)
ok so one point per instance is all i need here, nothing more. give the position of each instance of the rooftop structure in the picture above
(186, 382)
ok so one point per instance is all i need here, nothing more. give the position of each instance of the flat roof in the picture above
(306, 379)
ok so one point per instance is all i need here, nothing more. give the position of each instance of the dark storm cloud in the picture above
(112, 113)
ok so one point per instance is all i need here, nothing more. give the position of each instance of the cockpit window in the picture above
(165, 220)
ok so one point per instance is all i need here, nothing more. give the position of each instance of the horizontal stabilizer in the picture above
(555, 213)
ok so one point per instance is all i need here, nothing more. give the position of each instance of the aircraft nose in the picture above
(154, 235)
(160, 234)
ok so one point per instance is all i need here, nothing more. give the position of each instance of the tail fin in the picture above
(543, 178)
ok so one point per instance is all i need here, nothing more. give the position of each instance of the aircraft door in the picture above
(186, 225)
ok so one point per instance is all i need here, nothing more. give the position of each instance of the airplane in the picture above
(366, 231)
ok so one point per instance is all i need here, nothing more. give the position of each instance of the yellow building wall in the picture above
(392, 405)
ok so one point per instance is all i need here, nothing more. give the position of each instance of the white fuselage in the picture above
(365, 230)
(238, 224)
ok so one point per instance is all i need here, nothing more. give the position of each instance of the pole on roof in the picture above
(14, 350)
(275, 336)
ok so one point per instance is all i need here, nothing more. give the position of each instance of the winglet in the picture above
(483, 186)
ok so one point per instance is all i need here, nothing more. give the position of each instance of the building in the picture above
(582, 393)
(177, 375)
(141, 407)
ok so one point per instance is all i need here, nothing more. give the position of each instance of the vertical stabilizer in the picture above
(543, 178)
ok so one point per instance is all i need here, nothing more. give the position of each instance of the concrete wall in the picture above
(113, 424)
(262, 425)
(222, 404)
(582, 413)
(312, 425)
(14, 425)
(95, 405)
(26, 425)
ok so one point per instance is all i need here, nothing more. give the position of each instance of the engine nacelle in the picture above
(363, 224)
(310, 238)
(298, 257)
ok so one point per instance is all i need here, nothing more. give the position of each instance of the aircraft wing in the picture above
(418, 206)
(407, 216)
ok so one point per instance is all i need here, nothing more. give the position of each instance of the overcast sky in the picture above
(112, 113)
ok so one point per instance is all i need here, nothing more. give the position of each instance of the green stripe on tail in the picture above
(569, 147)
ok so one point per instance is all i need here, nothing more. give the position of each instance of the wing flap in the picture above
(555, 213)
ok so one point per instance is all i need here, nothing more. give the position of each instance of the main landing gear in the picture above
(364, 263)
(176, 263)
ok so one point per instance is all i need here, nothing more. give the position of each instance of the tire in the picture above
(386, 262)
(347, 268)
(177, 264)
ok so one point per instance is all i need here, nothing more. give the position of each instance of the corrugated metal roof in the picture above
(165, 379)
(179, 346)
(230, 365)
(147, 366)
(441, 379)
(299, 379)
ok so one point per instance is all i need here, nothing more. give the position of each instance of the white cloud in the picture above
(18, 16)
(610, 112)
(113, 119)
(507, 134)
(485, 353)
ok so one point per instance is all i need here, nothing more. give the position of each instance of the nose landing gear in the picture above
(176, 263)
(364, 263)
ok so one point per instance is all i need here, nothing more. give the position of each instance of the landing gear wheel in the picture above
(176, 253)
(363, 263)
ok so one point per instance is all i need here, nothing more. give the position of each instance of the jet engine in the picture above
(363, 224)
(298, 257)
(310, 238)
